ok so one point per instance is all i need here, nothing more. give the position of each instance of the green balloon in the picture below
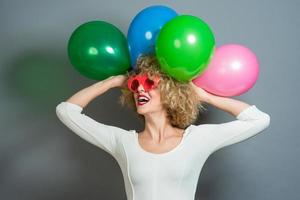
(184, 47)
(99, 50)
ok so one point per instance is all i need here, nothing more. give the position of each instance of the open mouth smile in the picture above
(142, 99)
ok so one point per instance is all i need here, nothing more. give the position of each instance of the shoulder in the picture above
(200, 130)
(130, 133)
(201, 127)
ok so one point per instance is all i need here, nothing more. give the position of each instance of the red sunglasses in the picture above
(147, 83)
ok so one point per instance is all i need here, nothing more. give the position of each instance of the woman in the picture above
(165, 159)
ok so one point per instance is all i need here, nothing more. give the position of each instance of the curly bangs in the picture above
(178, 98)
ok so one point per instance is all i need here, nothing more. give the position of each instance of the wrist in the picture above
(104, 84)
(111, 82)
(209, 98)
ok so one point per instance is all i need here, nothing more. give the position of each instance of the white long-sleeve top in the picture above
(171, 175)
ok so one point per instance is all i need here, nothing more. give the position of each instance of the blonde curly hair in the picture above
(178, 98)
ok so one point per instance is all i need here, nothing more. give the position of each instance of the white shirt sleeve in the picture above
(250, 122)
(101, 135)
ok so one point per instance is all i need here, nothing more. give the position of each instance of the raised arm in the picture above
(229, 105)
(249, 120)
(86, 95)
(99, 134)
(248, 123)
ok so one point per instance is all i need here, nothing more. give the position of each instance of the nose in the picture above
(140, 88)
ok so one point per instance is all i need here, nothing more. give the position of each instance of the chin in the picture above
(142, 110)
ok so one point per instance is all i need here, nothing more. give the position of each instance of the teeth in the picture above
(143, 99)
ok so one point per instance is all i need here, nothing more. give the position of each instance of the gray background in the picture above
(41, 159)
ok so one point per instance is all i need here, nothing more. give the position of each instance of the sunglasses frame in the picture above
(142, 78)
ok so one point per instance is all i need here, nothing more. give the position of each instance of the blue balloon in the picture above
(144, 28)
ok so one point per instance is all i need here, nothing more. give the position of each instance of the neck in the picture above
(158, 127)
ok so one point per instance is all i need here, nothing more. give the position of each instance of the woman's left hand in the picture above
(202, 94)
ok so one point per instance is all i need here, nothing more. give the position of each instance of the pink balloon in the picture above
(232, 71)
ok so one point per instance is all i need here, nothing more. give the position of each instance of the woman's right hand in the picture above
(119, 81)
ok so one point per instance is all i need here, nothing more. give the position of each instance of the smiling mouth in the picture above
(142, 101)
